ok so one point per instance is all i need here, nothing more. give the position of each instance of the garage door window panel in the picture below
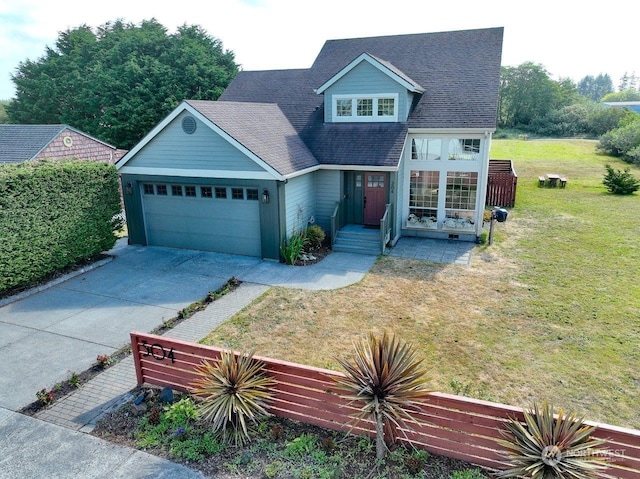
(206, 192)
(161, 190)
(237, 193)
(252, 194)
(221, 192)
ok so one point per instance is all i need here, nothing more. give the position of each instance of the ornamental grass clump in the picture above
(234, 389)
(387, 378)
(551, 446)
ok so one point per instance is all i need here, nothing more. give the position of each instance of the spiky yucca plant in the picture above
(551, 447)
(234, 389)
(386, 376)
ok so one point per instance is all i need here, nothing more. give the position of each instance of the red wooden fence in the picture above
(454, 426)
(502, 184)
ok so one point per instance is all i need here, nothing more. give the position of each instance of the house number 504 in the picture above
(157, 351)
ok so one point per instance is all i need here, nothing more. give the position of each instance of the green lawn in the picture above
(550, 311)
(577, 251)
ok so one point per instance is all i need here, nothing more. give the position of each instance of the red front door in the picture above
(375, 197)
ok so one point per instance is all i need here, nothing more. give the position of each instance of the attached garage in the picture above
(212, 176)
(208, 218)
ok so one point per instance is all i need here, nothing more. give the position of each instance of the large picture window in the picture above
(460, 200)
(423, 198)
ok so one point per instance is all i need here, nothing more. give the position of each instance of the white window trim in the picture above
(364, 119)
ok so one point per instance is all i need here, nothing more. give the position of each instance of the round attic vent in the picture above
(189, 125)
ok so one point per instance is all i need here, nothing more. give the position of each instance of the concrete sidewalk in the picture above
(33, 448)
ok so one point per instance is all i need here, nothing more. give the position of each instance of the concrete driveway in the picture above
(47, 336)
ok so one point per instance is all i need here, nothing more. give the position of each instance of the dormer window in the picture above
(363, 108)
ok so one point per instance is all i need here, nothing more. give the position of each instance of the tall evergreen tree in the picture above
(595, 87)
(116, 82)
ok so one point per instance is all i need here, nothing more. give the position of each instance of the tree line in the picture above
(117, 81)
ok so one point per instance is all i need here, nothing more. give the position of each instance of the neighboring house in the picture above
(631, 105)
(20, 143)
(385, 132)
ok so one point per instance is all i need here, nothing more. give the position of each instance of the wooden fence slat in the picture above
(458, 427)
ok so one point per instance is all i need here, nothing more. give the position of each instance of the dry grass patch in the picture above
(434, 306)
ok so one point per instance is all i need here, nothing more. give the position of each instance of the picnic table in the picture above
(553, 179)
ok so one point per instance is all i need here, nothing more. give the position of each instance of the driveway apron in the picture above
(45, 337)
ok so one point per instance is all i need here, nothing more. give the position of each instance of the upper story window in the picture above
(426, 149)
(464, 149)
(363, 108)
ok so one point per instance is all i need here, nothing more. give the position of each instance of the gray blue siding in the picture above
(300, 201)
(366, 79)
(328, 192)
(202, 150)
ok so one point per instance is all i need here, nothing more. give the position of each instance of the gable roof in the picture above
(263, 129)
(459, 72)
(382, 65)
(259, 130)
(20, 143)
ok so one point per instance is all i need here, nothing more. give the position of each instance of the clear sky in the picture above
(570, 38)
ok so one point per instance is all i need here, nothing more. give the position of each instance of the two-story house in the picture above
(389, 135)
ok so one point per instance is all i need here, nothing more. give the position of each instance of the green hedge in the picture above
(53, 215)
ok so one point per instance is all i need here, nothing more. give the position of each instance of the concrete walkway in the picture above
(61, 329)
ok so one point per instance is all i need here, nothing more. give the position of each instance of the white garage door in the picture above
(207, 218)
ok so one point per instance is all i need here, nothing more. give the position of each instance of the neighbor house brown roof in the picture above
(20, 143)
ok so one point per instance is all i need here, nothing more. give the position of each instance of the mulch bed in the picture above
(250, 461)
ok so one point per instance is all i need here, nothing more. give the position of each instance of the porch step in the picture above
(362, 241)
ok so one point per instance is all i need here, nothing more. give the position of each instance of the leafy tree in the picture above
(620, 182)
(4, 117)
(527, 92)
(623, 141)
(595, 87)
(624, 95)
(582, 118)
(628, 82)
(118, 81)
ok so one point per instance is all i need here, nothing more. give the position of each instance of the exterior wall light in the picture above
(265, 196)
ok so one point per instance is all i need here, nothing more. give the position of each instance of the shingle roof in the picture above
(23, 142)
(459, 71)
(263, 129)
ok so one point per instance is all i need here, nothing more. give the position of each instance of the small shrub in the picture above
(468, 474)
(315, 236)
(181, 412)
(103, 360)
(234, 389)
(277, 432)
(548, 446)
(45, 397)
(291, 249)
(273, 469)
(74, 380)
(328, 444)
(301, 446)
(620, 182)
(154, 416)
